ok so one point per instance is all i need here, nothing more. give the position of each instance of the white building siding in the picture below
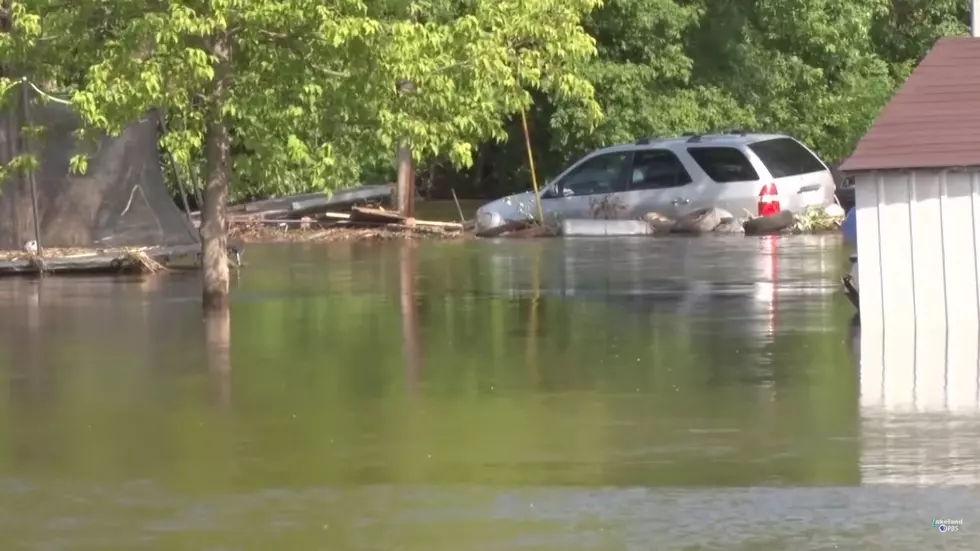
(918, 238)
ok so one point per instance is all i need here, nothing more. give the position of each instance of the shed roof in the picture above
(933, 121)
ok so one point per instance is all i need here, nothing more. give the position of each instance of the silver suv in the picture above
(675, 176)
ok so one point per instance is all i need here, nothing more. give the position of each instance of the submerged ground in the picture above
(476, 395)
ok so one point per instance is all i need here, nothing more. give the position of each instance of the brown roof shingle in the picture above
(933, 121)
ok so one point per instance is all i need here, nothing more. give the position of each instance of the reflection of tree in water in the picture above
(536, 386)
(21, 325)
(217, 339)
(408, 273)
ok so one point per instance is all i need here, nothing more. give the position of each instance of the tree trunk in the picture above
(217, 143)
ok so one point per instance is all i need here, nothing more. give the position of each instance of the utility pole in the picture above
(405, 191)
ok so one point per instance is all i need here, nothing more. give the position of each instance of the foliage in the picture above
(314, 94)
(820, 70)
(816, 219)
(314, 102)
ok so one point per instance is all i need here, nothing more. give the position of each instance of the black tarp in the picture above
(120, 201)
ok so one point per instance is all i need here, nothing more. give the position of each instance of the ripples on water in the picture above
(539, 395)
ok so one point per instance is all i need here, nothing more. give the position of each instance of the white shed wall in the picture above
(918, 239)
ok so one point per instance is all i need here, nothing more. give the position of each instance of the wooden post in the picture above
(406, 172)
(406, 182)
(26, 100)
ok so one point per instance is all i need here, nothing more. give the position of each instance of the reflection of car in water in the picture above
(751, 280)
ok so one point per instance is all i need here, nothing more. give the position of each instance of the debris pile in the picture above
(357, 213)
(702, 221)
(715, 220)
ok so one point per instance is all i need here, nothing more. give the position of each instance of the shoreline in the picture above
(264, 233)
(261, 233)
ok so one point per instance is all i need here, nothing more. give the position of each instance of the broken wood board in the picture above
(376, 216)
(359, 216)
(91, 260)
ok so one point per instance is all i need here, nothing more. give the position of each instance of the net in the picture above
(120, 200)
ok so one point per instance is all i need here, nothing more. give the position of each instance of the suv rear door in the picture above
(732, 183)
(801, 178)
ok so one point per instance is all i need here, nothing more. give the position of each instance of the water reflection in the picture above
(551, 395)
(217, 338)
(920, 406)
(407, 275)
(920, 371)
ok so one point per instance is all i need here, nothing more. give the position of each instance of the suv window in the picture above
(657, 169)
(724, 164)
(600, 174)
(786, 157)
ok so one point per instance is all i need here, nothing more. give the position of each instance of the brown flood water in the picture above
(673, 394)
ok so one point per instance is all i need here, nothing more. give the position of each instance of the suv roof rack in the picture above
(696, 138)
(647, 141)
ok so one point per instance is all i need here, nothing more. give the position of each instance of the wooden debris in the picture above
(375, 216)
(76, 260)
(315, 213)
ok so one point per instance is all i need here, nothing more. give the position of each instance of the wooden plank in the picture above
(379, 216)
(376, 216)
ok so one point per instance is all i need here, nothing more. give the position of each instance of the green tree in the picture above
(306, 89)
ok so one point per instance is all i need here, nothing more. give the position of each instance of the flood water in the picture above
(651, 394)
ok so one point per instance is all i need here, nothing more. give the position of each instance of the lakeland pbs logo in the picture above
(947, 524)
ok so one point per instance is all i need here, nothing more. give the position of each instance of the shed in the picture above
(917, 198)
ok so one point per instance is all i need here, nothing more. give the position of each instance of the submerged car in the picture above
(675, 176)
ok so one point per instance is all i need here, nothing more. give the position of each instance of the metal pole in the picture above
(459, 209)
(530, 160)
(974, 15)
(26, 100)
